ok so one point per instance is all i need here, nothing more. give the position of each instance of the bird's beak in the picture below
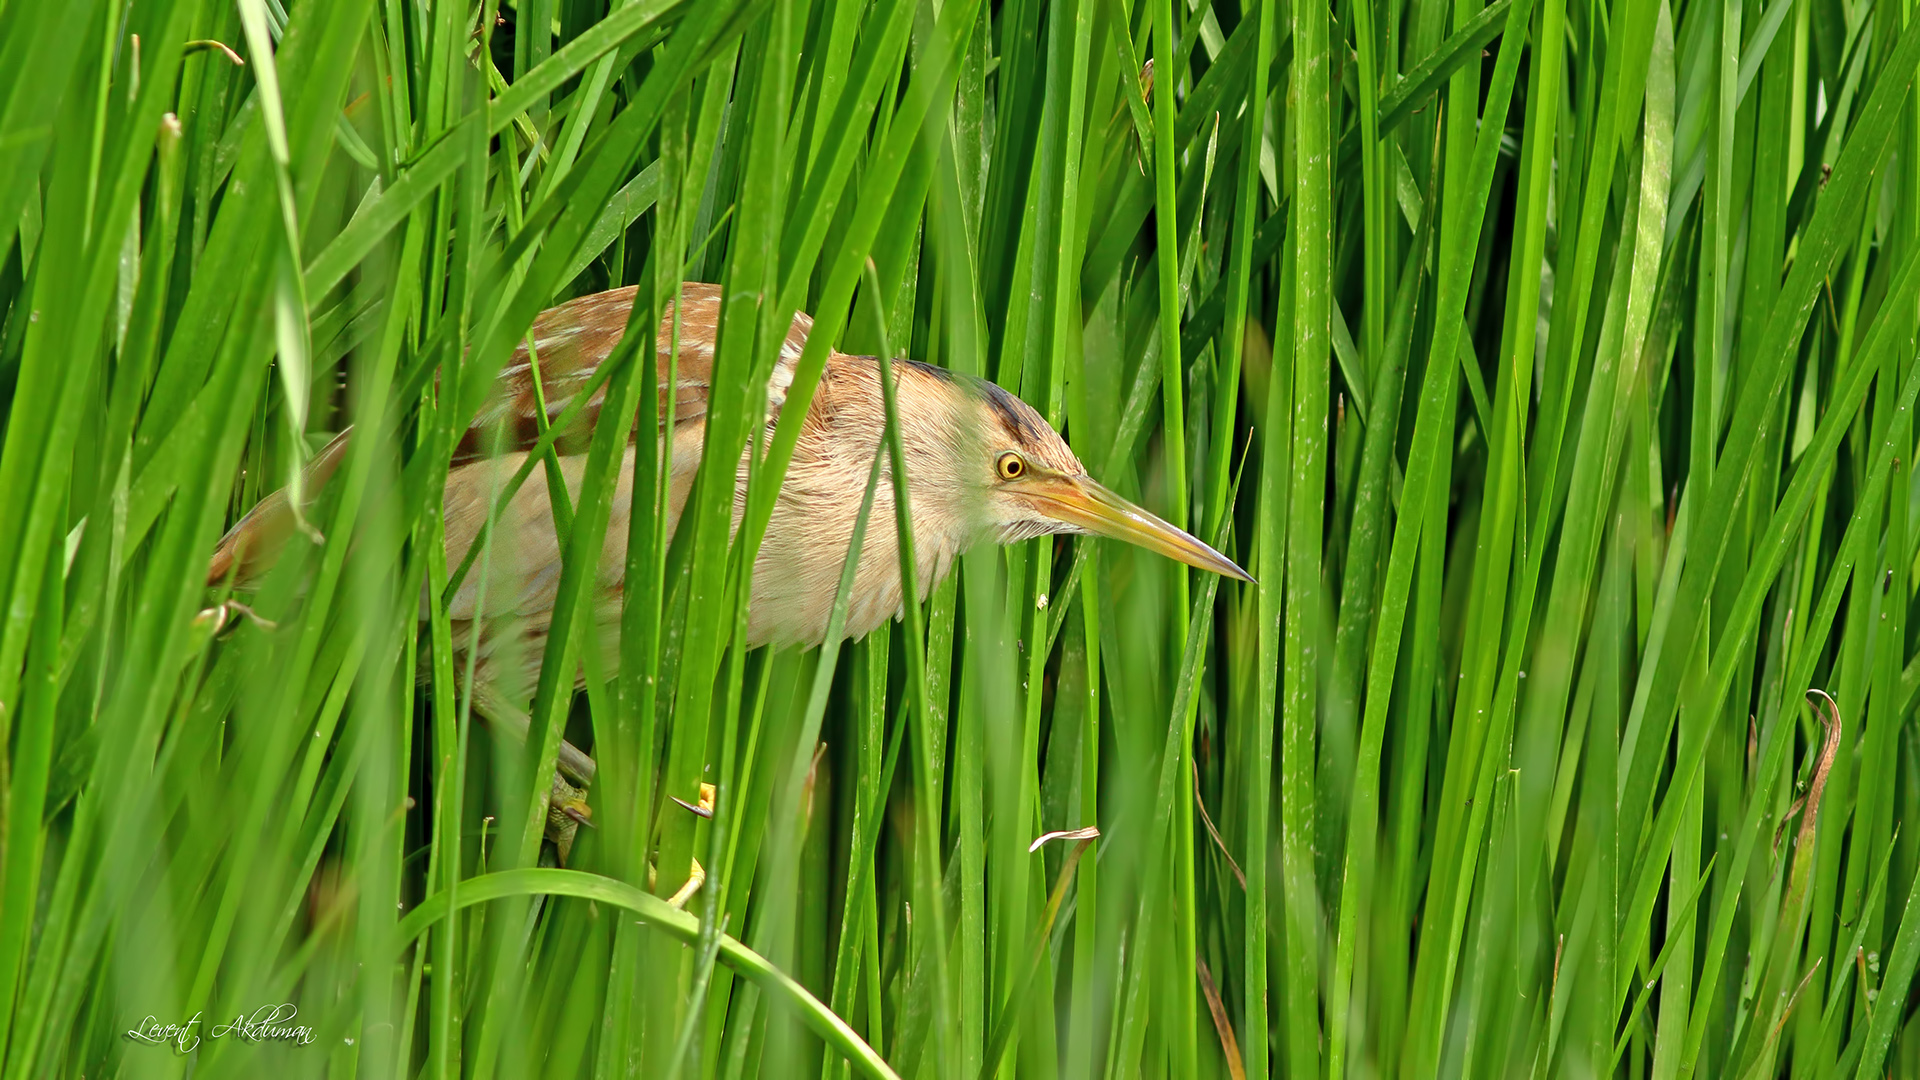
(1085, 503)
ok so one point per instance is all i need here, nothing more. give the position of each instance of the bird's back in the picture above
(806, 542)
(565, 348)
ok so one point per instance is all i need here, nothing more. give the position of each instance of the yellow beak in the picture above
(1087, 504)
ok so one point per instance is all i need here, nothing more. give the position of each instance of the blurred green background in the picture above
(1551, 364)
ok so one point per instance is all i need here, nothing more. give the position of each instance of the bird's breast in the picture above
(516, 574)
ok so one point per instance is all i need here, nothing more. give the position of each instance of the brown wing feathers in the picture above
(256, 538)
(569, 343)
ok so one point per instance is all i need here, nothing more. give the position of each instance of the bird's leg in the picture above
(696, 874)
(696, 877)
(567, 808)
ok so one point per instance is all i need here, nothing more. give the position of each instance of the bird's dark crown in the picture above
(1025, 430)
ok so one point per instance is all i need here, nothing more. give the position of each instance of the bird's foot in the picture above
(696, 874)
(696, 877)
(704, 808)
(567, 810)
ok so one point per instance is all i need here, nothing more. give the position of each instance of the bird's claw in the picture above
(704, 808)
(212, 622)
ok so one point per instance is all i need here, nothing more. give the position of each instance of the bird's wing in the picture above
(256, 539)
(569, 342)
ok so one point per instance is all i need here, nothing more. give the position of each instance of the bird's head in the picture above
(1034, 486)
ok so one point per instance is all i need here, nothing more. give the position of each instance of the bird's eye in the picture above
(1011, 466)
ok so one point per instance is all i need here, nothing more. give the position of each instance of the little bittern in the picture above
(981, 465)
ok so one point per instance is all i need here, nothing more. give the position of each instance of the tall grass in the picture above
(1552, 366)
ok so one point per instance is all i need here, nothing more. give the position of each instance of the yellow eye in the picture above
(1012, 466)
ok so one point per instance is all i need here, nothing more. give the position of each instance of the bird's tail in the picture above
(255, 541)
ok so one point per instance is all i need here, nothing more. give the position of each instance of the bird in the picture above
(982, 466)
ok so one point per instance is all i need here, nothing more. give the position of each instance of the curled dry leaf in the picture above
(1088, 833)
